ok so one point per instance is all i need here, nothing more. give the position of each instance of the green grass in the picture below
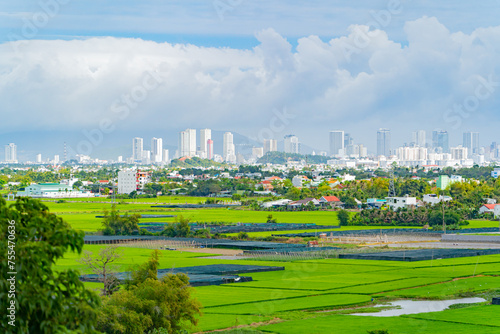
(348, 324)
(475, 315)
(291, 304)
(447, 289)
(481, 223)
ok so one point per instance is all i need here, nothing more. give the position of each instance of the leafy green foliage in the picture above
(114, 224)
(149, 304)
(47, 301)
(343, 217)
(179, 229)
(146, 270)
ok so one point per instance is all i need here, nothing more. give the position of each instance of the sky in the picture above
(95, 74)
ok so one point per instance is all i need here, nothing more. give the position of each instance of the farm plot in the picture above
(347, 324)
(291, 304)
(486, 315)
(450, 288)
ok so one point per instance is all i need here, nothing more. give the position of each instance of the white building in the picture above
(292, 144)
(270, 145)
(495, 173)
(434, 199)
(127, 181)
(337, 143)
(52, 190)
(11, 153)
(419, 138)
(187, 143)
(156, 150)
(257, 152)
(166, 156)
(459, 153)
(39, 158)
(137, 149)
(412, 153)
(205, 136)
(298, 180)
(396, 203)
(228, 149)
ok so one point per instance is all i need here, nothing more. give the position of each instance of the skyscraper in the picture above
(205, 135)
(292, 144)
(270, 145)
(157, 150)
(337, 142)
(137, 149)
(384, 142)
(471, 142)
(210, 149)
(229, 153)
(418, 138)
(440, 142)
(187, 143)
(11, 153)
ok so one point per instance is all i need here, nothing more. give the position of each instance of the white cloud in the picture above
(359, 82)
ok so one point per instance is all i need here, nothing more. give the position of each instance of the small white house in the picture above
(496, 211)
(434, 199)
(488, 208)
(396, 203)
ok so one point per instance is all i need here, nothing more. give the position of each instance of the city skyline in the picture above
(341, 145)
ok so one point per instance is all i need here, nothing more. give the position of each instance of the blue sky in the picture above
(232, 23)
(233, 65)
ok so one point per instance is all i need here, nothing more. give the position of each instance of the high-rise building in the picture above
(205, 135)
(187, 143)
(471, 142)
(56, 159)
(270, 145)
(337, 142)
(39, 158)
(166, 156)
(418, 138)
(156, 150)
(384, 142)
(228, 150)
(292, 144)
(137, 149)
(257, 152)
(440, 141)
(459, 153)
(11, 153)
(210, 149)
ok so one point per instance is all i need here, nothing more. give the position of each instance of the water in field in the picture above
(421, 306)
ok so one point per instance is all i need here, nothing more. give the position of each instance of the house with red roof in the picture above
(487, 208)
(332, 201)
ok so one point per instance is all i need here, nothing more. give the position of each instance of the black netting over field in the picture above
(288, 250)
(215, 274)
(246, 227)
(496, 301)
(393, 231)
(420, 254)
(148, 216)
(191, 242)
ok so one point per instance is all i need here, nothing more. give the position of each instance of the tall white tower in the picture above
(205, 135)
(228, 149)
(11, 153)
(137, 148)
(157, 150)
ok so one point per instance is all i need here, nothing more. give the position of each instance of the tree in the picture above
(46, 301)
(148, 303)
(271, 220)
(147, 270)
(179, 229)
(343, 216)
(114, 224)
(100, 265)
(152, 304)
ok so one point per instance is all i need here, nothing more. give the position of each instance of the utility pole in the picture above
(392, 188)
